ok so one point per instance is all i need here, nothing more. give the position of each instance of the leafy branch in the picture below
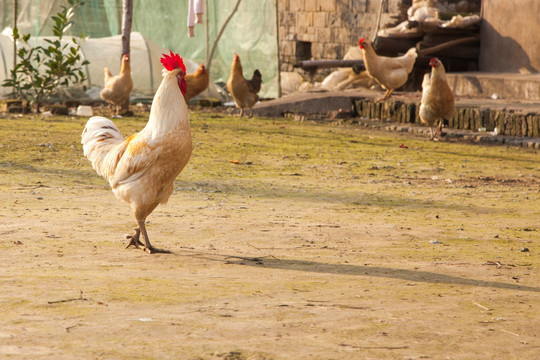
(41, 70)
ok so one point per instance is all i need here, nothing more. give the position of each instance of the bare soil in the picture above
(288, 240)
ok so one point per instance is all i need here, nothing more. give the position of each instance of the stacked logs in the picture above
(466, 118)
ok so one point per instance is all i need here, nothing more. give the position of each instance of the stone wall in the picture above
(325, 29)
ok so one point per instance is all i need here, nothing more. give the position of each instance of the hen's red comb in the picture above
(361, 42)
(173, 61)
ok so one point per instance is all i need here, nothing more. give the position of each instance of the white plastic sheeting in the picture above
(146, 68)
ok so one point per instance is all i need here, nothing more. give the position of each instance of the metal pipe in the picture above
(330, 63)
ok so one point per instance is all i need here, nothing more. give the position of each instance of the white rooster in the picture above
(141, 168)
(390, 72)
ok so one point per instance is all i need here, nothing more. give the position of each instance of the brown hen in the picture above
(437, 98)
(118, 88)
(243, 91)
(196, 82)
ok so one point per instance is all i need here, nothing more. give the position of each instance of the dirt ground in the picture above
(288, 240)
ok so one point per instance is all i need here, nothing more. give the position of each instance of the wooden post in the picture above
(126, 25)
(15, 11)
(127, 12)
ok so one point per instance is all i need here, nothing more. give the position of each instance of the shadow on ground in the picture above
(356, 270)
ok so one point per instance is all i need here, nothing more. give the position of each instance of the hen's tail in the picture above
(426, 82)
(99, 137)
(256, 81)
(107, 75)
(410, 58)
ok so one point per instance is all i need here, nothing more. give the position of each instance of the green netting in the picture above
(251, 32)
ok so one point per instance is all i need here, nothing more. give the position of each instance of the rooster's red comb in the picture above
(361, 42)
(173, 61)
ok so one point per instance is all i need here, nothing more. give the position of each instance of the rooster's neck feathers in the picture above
(169, 110)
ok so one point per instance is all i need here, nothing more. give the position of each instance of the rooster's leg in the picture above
(147, 246)
(439, 128)
(241, 112)
(134, 239)
(386, 95)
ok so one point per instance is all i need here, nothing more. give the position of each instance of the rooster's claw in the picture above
(149, 250)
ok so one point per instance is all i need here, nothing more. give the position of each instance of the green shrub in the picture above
(41, 70)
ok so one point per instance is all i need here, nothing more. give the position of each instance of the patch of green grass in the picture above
(489, 192)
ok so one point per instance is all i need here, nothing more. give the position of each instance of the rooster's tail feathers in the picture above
(412, 52)
(99, 137)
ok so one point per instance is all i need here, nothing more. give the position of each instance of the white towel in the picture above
(195, 12)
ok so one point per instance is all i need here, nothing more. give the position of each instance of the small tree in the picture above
(41, 70)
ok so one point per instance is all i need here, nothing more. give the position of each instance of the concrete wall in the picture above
(510, 36)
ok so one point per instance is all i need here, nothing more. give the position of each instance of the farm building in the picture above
(310, 29)
(279, 34)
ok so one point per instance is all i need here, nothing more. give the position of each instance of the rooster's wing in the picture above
(138, 157)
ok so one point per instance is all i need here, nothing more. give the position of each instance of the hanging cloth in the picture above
(195, 12)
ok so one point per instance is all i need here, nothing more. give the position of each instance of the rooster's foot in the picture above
(149, 250)
(386, 96)
(134, 239)
(153, 250)
(382, 99)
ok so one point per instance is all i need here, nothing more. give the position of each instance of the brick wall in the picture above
(325, 29)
